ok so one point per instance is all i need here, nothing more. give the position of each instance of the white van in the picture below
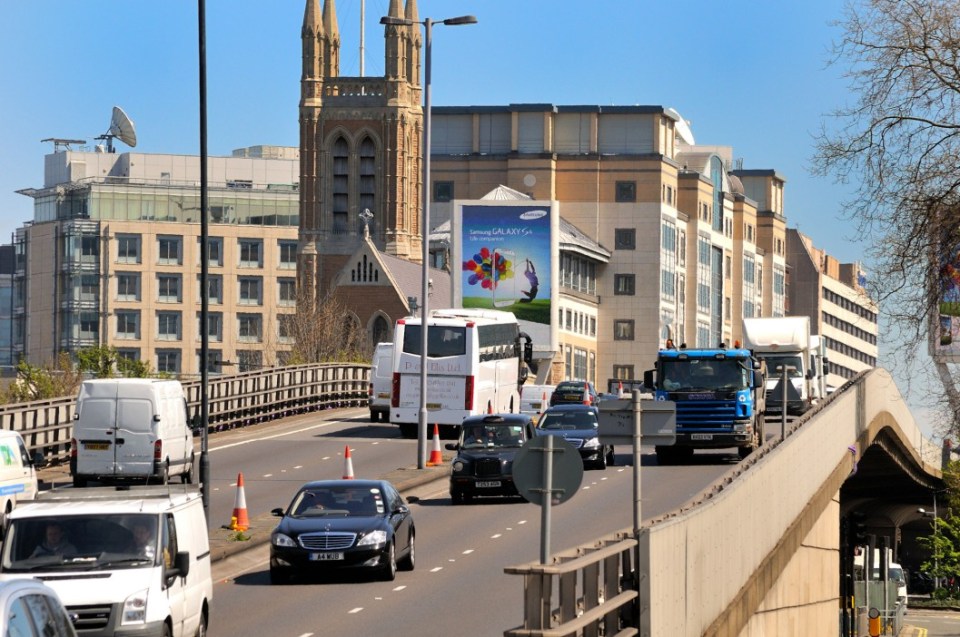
(18, 473)
(381, 381)
(535, 399)
(131, 429)
(81, 543)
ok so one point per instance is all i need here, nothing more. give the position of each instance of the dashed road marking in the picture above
(467, 552)
(353, 611)
(496, 535)
(436, 568)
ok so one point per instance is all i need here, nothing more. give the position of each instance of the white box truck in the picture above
(134, 429)
(124, 560)
(786, 341)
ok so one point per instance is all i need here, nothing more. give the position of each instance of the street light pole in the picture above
(936, 543)
(204, 234)
(425, 220)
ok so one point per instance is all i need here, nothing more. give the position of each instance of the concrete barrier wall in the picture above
(707, 569)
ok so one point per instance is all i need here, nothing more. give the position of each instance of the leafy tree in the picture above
(130, 368)
(899, 140)
(55, 379)
(323, 331)
(98, 361)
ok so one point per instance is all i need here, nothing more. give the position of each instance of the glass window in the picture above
(623, 330)
(251, 290)
(285, 326)
(128, 286)
(168, 326)
(249, 360)
(249, 328)
(168, 361)
(169, 250)
(288, 291)
(288, 255)
(168, 288)
(251, 253)
(214, 289)
(625, 239)
(214, 326)
(626, 191)
(624, 284)
(443, 191)
(128, 248)
(214, 251)
(128, 324)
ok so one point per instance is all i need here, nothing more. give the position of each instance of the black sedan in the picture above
(577, 424)
(579, 392)
(343, 524)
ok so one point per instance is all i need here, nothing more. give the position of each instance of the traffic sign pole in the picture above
(547, 506)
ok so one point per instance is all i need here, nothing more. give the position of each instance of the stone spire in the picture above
(311, 35)
(333, 39)
(394, 48)
(414, 45)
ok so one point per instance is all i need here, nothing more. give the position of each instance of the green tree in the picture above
(99, 360)
(55, 379)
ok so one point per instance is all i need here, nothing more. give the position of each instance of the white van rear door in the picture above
(96, 446)
(135, 437)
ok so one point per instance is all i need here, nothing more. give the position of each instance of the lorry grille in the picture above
(324, 541)
(487, 467)
(89, 618)
(706, 414)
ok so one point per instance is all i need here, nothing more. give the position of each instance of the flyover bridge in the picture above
(758, 552)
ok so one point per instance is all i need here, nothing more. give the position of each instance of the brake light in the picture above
(370, 390)
(468, 393)
(73, 448)
(395, 390)
(157, 451)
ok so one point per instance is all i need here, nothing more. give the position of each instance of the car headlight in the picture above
(591, 443)
(135, 609)
(280, 539)
(458, 466)
(373, 538)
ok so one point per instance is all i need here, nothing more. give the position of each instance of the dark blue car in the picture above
(577, 424)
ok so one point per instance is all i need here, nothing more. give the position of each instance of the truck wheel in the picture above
(743, 452)
(79, 482)
(374, 416)
(664, 456)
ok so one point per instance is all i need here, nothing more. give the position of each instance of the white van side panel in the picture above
(18, 477)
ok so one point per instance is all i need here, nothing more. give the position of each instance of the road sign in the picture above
(528, 470)
(655, 419)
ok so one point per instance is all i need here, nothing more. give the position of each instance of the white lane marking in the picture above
(279, 435)
(270, 475)
(522, 522)
(400, 588)
(467, 552)
(496, 535)
(299, 466)
(325, 458)
(436, 568)
(307, 635)
(356, 610)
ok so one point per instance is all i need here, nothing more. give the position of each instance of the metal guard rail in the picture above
(233, 401)
(593, 588)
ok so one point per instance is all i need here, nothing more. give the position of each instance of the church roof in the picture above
(409, 278)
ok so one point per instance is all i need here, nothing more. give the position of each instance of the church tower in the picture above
(360, 148)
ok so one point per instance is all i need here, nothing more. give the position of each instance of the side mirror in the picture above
(277, 513)
(452, 446)
(181, 563)
(648, 378)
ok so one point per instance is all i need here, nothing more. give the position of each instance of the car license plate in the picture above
(326, 557)
(536, 405)
(383, 394)
(701, 436)
(487, 484)
(96, 446)
(434, 405)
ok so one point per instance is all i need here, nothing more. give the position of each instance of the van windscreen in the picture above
(80, 542)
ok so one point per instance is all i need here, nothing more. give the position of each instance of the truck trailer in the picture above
(785, 341)
(719, 394)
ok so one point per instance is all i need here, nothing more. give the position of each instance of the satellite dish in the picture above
(682, 127)
(122, 128)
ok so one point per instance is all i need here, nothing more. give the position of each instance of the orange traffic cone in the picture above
(620, 391)
(543, 403)
(347, 464)
(489, 407)
(436, 457)
(240, 521)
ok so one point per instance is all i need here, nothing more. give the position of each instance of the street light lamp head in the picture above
(464, 19)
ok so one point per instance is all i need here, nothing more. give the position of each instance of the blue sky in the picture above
(751, 75)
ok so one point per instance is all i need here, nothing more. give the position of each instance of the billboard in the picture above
(508, 261)
(945, 337)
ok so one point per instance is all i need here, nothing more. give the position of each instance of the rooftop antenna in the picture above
(122, 128)
(361, 37)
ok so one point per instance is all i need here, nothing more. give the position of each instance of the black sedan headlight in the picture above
(373, 538)
(282, 539)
